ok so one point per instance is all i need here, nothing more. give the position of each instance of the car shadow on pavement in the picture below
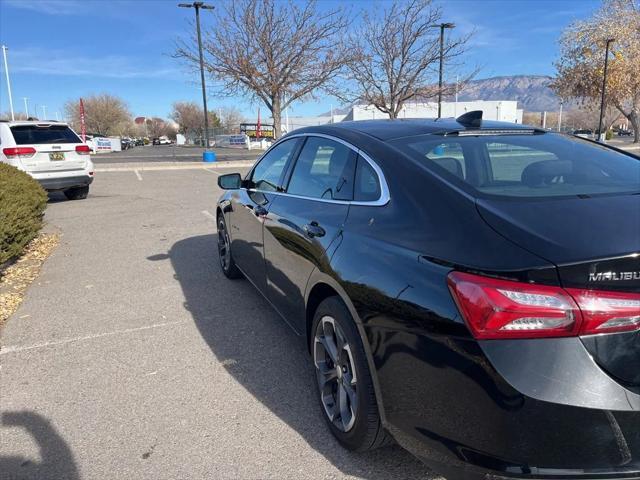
(56, 458)
(56, 197)
(268, 359)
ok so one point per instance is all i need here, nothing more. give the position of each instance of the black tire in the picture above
(361, 428)
(227, 263)
(77, 193)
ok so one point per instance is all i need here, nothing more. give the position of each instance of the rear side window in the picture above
(367, 185)
(36, 134)
(325, 169)
(521, 165)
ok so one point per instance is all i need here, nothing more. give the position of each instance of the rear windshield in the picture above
(36, 134)
(541, 165)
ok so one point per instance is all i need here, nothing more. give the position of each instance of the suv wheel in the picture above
(345, 386)
(77, 193)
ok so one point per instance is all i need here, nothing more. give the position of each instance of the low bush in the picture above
(22, 204)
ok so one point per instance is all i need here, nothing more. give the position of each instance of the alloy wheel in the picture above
(336, 374)
(224, 252)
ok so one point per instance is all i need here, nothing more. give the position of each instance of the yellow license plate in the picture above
(56, 156)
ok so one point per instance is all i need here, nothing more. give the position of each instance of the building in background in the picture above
(501, 110)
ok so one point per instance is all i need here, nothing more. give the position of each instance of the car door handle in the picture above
(260, 211)
(314, 230)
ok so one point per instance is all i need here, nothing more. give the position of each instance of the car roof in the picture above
(389, 129)
(13, 123)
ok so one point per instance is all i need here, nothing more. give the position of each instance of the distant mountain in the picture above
(533, 92)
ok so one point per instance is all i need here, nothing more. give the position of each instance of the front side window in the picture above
(325, 169)
(524, 165)
(267, 174)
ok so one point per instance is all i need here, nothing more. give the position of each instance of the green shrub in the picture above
(22, 204)
(608, 134)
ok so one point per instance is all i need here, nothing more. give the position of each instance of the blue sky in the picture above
(64, 49)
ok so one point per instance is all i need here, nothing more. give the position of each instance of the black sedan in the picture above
(469, 289)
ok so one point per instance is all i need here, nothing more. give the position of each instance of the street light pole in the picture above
(442, 27)
(198, 6)
(26, 107)
(560, 116)
(6, 71)
(604, 86)
(44, 112)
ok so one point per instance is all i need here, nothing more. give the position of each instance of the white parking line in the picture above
(138, 174)
(16, 349)
(211, 171)
(208, 214)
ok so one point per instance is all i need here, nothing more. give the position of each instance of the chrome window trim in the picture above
(382, 181)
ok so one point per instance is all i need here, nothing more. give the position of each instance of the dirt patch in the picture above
(16, 278)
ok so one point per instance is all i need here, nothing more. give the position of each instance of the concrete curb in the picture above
(141, 166)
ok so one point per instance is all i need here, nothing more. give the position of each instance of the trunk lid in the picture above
(595, 244)
(568, 231)
(55, 146)
(55, 158)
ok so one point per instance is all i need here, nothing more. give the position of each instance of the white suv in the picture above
(51, 153)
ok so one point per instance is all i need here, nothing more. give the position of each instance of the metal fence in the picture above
(197, 137)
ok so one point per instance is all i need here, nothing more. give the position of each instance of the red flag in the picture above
(258, 126)
(83, 128)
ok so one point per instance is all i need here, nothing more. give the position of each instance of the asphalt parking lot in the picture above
(133, 357)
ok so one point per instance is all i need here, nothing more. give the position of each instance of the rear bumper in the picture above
(508, 410)
(63, 183)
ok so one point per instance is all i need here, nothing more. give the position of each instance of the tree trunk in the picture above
(394, 110)
(276, 113)
(634, 118)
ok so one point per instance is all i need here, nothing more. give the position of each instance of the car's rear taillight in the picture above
(20, 152)
(83, 149)
(498, 309)
(607, 312)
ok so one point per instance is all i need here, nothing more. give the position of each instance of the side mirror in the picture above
(230, 181)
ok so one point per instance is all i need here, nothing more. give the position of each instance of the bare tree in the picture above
(188, 116)
(16, 115)
(580, 67)
(231, 119)
(277, 52)
(158, 127)
(104, 114)
(396, 56)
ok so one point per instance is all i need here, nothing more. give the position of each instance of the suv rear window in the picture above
(36, 134)
(540, 165)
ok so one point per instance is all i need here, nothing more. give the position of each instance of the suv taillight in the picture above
(19, 152)
(499, 309)
(83, 149)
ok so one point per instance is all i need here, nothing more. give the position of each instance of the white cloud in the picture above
(65, 62)
(50, 7)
